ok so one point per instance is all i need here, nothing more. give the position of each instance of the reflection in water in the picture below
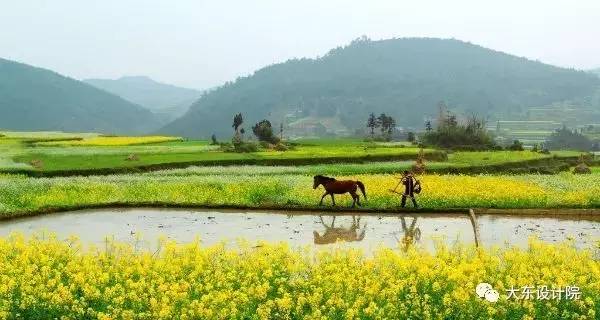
(411, 235)
(333, 234)
(475, 225)
(392, 231)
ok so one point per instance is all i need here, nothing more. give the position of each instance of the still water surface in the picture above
(302, 229)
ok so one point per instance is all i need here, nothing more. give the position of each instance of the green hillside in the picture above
(405, 78)
(163, 99)
(36, 99)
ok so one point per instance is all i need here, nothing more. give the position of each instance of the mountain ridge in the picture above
(405, 78)
(34, 98)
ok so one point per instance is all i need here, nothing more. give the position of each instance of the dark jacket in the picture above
(409, 185)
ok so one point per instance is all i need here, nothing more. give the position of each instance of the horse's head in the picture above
(317, 181)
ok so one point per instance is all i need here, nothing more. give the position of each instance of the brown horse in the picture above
(333, 186)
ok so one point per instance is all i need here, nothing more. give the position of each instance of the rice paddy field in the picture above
(45, 277)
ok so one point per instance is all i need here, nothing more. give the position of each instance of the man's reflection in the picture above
(411, 234)
(332, 234)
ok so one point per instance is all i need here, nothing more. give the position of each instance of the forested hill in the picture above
(38, 99)
(402, 77)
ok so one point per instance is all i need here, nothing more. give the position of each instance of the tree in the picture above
(264, 132)
(568, 139)
(411, 137)
(238, 120)
(382, 123)
(281, 131)
(213, 139)
(391, 126)
(372, 124)
(428, 126)
(386, 124)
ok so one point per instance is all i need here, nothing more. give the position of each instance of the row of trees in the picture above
(385, 123)
(450, 133)
(263, 130)
(566, 138)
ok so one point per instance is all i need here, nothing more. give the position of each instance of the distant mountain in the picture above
(164, 99)
(405, 78)
(38, 99)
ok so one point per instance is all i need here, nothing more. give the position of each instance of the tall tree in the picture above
(428, 126)
(383, 123)
(391, 126)
(238, 120)
(372, 124)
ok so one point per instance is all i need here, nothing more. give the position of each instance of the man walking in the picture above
(409, 188)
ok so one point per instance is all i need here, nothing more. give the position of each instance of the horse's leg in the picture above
(332, 199)
(356, 198)
(322, 222)
(323, 197)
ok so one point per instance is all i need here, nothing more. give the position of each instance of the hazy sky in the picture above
(201, 44)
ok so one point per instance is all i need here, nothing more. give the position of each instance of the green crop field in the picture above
(92, 154)
(210, 177)
(22, 151)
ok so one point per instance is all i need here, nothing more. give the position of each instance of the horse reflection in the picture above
(334, 234)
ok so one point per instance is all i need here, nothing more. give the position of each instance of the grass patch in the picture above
(173, 155)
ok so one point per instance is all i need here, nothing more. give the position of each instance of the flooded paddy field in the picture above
(144, 226)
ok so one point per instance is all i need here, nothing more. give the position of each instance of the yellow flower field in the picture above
(20, 195)
(53, 279)
(111, 141)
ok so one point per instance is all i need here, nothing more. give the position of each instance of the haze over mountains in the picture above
(38, 99)
(165, 100)
(405, 78)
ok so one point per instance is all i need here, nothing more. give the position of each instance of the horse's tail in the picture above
(361, 186)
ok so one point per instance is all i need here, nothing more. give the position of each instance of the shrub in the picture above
(451, 134)
(133, 157)
(281, 147)
(245, 147)
(264, 132)
(516, 146)
(582, 167)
